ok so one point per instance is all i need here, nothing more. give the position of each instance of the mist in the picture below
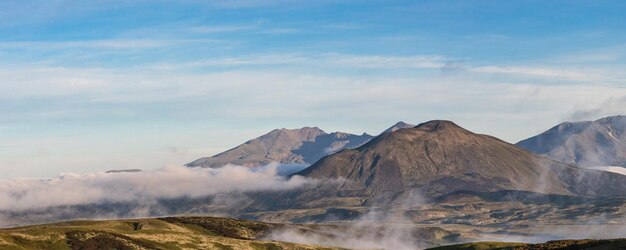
(173, 182)
(383, 226)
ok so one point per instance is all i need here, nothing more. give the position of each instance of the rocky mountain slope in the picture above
(439, 157)
(587, 144)
(286, 146)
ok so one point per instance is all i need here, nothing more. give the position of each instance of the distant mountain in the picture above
(399, 125)
(287, 146)
(117, 171)
(587, 144)
(439, 157)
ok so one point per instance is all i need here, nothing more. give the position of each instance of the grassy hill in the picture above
(162, 233)
(211, 233)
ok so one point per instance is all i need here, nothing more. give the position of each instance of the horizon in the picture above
(100, 85)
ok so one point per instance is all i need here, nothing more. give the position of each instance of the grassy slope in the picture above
(550, 245)
(205, 233)
(165, 233)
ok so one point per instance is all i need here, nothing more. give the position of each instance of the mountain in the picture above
(439, 157)
(399, 125)
(586, 144)
(286, 146)
(117, 171)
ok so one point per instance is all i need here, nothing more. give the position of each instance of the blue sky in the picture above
(95, 85)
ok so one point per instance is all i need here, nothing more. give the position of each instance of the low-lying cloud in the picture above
(382, 227)
(167, 183)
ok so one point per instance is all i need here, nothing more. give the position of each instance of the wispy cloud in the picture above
(609, 106)
(428, 62)
(535, 71)
(599, 74)
(322, 60)
(222, 29)
(101, 44)
(279, 31)
(349, 92)
(237, 4)
(614, 54)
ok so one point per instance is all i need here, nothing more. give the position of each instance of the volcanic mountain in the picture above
(439, 157)
(586, 144)
(286, 146)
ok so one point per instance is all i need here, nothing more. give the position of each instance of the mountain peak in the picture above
(116, 171)
(303, 129)
(613, 119)
(398, 125)
(286, 146)
(437, 125)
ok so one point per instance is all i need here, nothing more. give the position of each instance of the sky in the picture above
(89, 86)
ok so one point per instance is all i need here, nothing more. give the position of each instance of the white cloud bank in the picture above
(166, 183)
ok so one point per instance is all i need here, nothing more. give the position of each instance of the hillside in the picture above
(587, 144)
(439, 157)
(224, 233)
(162, 233)
(613, 244)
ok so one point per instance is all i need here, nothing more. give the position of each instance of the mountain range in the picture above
(436, 177)
(599, 144)
(439, 158)
(289, 146)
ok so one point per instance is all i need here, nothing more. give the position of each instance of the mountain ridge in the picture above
(285, 146)
(302, 146)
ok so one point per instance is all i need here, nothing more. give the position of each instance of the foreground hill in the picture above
(439, 158)
(587, 144)
(286, 146)
(216, 233)
(163, 233)
(614, 244)
(224, 233)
